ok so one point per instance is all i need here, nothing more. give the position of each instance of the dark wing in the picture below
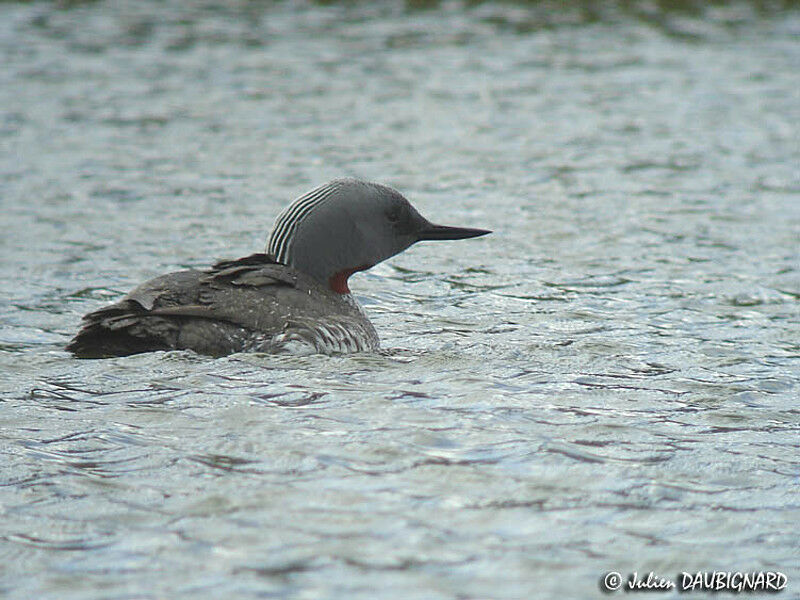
(212, 312)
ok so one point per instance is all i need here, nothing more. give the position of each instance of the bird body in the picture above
(294, 298)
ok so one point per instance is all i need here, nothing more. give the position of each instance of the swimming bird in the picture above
(294, 297)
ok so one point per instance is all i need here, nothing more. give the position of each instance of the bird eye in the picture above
(393, 215)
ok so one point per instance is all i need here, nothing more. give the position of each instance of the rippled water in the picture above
(608, 382)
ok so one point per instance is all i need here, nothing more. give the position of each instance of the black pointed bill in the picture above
(443, 232)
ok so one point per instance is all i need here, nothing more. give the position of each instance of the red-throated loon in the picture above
(293, 297)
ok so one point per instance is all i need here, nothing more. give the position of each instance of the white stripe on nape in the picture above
(287, 222)
(292, 217)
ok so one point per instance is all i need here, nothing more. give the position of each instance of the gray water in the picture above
(609, 382)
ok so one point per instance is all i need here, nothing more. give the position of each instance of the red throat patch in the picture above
(338, 281)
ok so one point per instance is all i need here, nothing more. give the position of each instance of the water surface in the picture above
(608, 382)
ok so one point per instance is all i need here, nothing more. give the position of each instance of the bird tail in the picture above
(115, 330)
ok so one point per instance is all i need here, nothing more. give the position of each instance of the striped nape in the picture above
(287, 222)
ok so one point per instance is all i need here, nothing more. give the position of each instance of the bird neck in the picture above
(338, 281)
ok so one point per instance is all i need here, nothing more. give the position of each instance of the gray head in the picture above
(349, 225)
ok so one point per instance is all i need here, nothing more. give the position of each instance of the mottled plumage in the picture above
(252, 304)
